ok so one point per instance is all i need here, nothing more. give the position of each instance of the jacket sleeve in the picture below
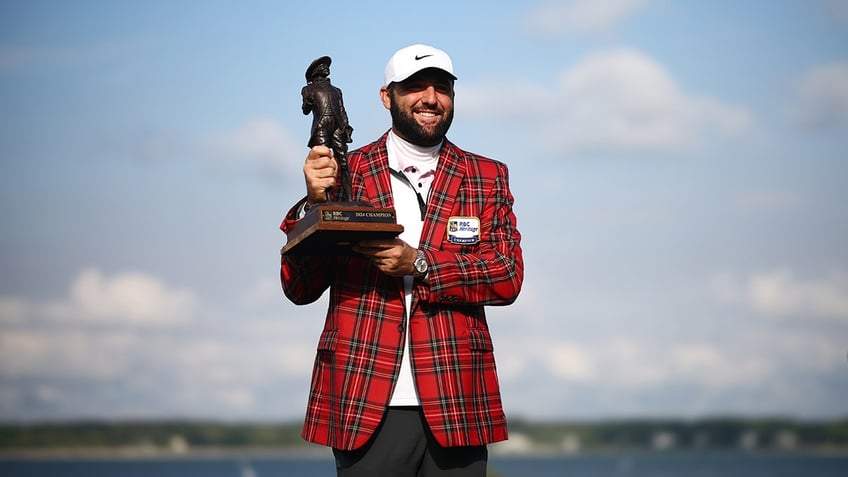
(489, 274)
(303, 278)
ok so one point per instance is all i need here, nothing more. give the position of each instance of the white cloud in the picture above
(131, 298)
(58, 359)
(624, 99)
(612, 100)
(746, 369)
(716, 368)
(570, 362)
(240, 398)
(262, 142)
(812, 350)
(631, 364)
(593, 17)
(823, 97)
(13, 310)
(780, 293)
(526, 100)
(20, 350)
(265, 291)
(64, 354)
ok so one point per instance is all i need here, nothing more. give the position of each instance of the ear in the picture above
(385, 97)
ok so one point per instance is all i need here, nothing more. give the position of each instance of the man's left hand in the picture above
(394, 257)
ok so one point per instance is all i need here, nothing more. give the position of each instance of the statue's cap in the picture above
(412, 59)
(323, 61)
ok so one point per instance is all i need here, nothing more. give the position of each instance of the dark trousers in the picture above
(404, 447)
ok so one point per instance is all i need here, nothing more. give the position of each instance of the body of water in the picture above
(581, 465)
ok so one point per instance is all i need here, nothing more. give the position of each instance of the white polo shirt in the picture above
(418, 165)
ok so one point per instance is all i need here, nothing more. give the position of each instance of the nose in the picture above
(428, 95)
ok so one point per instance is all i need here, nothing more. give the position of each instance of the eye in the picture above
(418, 86)
(444, 88)
(413, 87)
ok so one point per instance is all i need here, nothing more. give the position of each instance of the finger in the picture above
(377, 244)
(319, 152)
(323, 173)
(359, 249)
(327, 168)
(319, 163)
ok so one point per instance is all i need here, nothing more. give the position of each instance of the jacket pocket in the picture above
(328, 340)
(479, 340)
(327, 346)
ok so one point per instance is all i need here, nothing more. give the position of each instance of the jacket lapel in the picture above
(376, 185)
(449, 175)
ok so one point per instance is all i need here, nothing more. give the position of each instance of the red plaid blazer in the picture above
(360, 348)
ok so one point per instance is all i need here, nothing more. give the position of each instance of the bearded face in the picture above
(421, 112)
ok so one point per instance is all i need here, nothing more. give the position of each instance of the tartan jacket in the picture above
(360, 349)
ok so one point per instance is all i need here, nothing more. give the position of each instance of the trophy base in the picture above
(333, 228)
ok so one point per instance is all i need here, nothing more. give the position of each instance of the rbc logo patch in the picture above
(463, 230)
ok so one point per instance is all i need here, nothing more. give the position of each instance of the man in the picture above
(404, 382)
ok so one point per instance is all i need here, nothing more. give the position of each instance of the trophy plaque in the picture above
(331, 228)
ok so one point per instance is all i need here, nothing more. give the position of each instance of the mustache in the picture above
(428, 109)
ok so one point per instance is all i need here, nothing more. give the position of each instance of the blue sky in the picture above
(678, 168)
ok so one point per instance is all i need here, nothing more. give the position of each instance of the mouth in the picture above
(427, 116)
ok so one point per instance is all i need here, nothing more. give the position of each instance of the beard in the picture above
(406, 126)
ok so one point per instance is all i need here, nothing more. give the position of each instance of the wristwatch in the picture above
(420, 265)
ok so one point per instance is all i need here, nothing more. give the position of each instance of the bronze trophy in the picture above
(331, 228)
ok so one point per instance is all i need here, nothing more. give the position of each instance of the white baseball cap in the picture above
(412, 59)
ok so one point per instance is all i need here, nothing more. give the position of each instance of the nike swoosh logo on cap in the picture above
(421, 57)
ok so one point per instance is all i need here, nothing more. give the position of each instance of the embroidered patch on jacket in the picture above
(463, 230)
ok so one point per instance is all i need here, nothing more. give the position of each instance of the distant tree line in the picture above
(709, 433)
(159, 434)
(712, 433)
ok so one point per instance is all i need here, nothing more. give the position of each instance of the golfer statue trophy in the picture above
(331, 228)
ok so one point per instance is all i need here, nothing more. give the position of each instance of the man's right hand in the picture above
(320, 171)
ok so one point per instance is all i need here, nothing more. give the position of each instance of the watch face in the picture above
(420, 265)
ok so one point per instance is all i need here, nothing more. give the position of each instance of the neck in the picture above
(415, 149)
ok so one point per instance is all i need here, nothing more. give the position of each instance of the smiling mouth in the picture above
(427, 115)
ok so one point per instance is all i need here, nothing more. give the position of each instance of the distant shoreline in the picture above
(317, 452)
(197, 439)
(133, 452)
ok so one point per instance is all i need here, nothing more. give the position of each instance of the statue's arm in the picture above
(307, 100)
